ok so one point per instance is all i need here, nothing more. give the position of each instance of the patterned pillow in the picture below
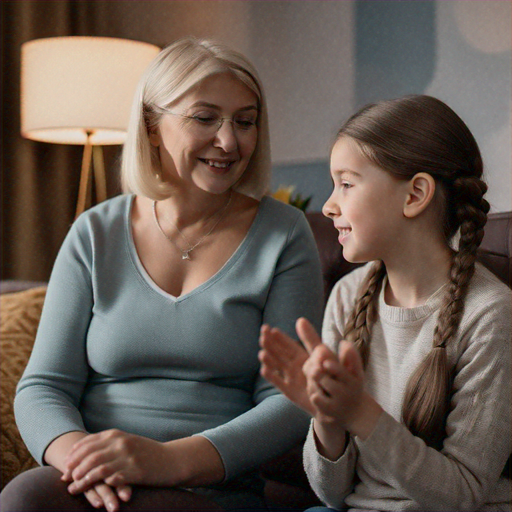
(19, 318)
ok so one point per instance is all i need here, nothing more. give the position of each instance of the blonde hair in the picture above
(404, 137)
(176, 70)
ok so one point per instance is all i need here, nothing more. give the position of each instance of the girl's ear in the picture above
(420, 191)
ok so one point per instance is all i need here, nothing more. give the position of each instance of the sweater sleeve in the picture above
(57, 370)
(332, 481)
(274, 425)
(464, 474)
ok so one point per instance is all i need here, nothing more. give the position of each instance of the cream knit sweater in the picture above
(394, 470)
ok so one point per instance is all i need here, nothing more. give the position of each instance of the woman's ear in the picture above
(420, 191)
(154, 138)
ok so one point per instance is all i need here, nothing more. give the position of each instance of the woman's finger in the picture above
(90, 444)
(85, 479)
(124, 492)
(92, 467)
(94, 498)
(108, 496)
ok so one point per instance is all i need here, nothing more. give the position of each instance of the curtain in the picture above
(39, 180)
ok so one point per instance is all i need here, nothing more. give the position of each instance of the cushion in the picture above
(19, 318)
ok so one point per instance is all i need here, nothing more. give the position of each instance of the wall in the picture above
(459, 51)
(473, 75)
(322, 59)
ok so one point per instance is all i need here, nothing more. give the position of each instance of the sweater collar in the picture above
(396, 314)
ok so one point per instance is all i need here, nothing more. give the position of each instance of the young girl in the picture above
(410, 389)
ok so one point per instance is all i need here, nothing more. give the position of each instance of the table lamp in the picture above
(79, 90)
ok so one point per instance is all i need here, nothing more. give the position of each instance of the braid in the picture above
(426, 400)
(471, 216)
(358, 325)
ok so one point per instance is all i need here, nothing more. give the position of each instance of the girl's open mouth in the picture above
(343, 233)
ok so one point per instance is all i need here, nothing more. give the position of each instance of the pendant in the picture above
(185, 255)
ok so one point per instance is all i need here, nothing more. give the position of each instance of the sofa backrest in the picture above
(496, 247)
(494, 253)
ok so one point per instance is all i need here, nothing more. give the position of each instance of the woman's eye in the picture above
(205, 118)
(244, 123)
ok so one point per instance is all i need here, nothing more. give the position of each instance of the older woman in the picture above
(144, 375)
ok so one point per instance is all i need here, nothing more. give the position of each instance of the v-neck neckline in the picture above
(237, 253)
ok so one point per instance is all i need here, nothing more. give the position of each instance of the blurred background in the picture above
(319, 61)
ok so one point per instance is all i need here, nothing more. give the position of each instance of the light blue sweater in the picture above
(113, 350)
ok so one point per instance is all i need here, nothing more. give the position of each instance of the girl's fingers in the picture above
(307, 334)
(331, 387)
(350, 358)
(320, 400)
(274, 376)
(314, 366)
(278, 343)
(268, 360)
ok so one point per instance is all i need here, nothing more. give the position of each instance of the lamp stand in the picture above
(92, 155)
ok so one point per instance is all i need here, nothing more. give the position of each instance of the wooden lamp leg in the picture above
(99, 174)
(85, 176)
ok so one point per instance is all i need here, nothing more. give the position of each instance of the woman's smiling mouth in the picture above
(222, 165)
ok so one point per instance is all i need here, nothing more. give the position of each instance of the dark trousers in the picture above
(41, 490)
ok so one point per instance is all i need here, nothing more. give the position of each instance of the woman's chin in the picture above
(216, 184)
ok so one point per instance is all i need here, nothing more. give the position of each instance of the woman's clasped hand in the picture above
(118, 458)
(114, 457)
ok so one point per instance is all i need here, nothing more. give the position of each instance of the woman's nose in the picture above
(225, 137)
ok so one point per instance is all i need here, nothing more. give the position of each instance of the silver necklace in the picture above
(185, 253)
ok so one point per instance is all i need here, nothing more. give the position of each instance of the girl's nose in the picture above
(331, 208)
(225, 137)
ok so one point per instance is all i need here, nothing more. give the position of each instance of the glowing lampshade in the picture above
(71, 85)
(79, 90)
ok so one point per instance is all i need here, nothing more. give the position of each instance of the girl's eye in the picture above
(346, 184)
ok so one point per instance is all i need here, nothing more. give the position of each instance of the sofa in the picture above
(286, 486)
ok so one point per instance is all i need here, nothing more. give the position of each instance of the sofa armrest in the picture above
(19, 319)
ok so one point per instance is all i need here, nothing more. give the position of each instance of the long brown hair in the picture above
(404, 137)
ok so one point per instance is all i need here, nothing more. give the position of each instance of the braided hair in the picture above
(404, 137)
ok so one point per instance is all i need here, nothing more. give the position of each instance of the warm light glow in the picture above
(70, 85)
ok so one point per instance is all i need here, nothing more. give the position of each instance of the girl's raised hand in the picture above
(282, 359)
(335, 385)
(338, 395)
